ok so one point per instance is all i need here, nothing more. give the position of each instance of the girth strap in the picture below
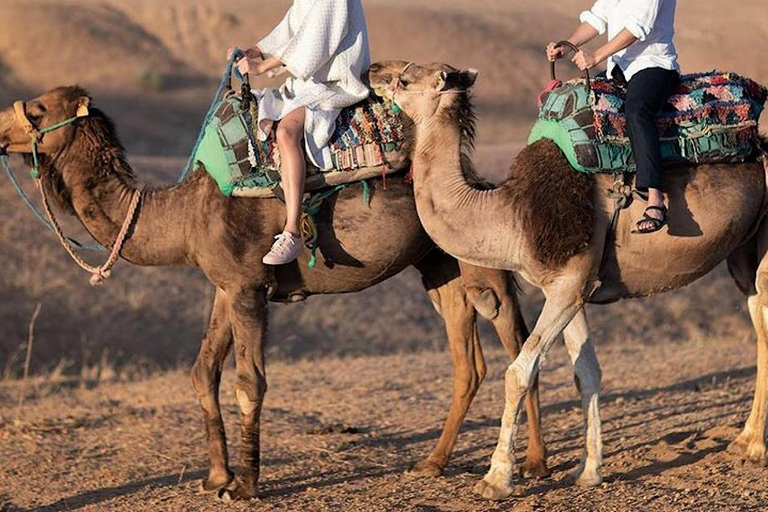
(621, 193)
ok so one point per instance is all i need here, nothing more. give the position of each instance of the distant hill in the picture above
(153, 67)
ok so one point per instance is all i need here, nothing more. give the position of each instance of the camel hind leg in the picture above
(751, 442)
(206, 377)
(492, 294)
(440, 276)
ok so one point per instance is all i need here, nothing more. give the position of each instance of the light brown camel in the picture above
(550, 223)
(192, 224)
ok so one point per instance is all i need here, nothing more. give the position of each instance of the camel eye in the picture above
(404, 82)
(36, 112)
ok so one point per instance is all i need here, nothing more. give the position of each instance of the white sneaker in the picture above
(287, 247)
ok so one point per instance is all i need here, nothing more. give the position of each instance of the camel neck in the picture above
(101, 194)
(471, 224)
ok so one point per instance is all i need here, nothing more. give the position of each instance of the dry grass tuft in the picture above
(27, 360)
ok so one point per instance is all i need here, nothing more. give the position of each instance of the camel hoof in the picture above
(752, 452)
(585, 479)
(236, 491)
(535, 469)
(737, 447)
(493, 491)
(211, 485)
(755, 454)
(425, 469)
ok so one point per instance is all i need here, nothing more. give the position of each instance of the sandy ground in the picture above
(338, 435)
(153, 66)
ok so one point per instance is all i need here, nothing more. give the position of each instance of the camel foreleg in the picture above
(510, 327)
(249, 325)
(559, 309)
(588, 375)
(206, 377)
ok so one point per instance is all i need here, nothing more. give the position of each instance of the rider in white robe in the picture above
(324, 46)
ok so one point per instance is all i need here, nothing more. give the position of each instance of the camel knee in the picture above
(249, 392)
(434, 297)
(202, 378)
(588, 377)
(523, 371)
(485, 301)
(518, 379)
(482, 371)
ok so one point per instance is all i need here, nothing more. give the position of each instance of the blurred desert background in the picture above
(153, 66)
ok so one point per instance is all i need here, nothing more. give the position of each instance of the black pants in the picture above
(647, 92)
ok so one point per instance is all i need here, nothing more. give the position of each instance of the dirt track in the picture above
(338, 435)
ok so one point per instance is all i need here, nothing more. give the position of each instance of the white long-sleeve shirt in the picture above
(652, 22)
(324, 45)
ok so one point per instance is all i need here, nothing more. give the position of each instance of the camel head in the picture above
(26, 121)
(67, 130)
(421, 91)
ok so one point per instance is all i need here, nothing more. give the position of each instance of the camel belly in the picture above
(359, 245)
(712, 210)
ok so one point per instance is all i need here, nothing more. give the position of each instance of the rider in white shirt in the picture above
(640, 52)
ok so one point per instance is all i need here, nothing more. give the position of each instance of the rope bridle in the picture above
(98, 274)
(398, 86)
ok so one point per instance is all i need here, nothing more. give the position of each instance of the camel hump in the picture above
(368, 142)
(711, 118)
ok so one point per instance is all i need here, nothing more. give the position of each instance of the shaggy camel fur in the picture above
(192, 224)
(550, 225)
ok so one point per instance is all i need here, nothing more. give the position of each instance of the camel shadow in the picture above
(681, 220)
(274, 488)
(696, 384)
(655, 468)
(95, 496)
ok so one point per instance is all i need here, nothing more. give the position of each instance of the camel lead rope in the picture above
(764, 158)
(103, 272)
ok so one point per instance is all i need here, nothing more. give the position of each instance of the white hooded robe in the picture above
(324, 46)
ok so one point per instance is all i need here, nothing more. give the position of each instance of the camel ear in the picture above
(441, 81)
(82, 106)
(470, 77)
(457, 80)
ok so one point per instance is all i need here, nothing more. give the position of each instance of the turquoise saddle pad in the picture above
(367, 142)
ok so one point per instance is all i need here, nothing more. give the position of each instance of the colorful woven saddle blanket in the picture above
(367, 142)
(712, 117)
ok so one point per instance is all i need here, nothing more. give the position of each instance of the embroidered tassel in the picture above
(366, 194)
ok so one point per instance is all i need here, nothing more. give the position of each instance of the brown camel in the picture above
(191, 224)
(550, 224)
